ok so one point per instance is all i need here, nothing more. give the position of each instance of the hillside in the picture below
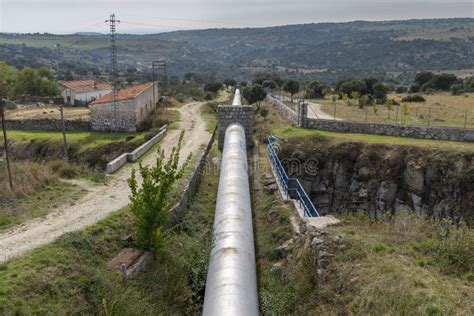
(327, 51)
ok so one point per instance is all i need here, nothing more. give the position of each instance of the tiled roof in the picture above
(125, 93)
(85, 85)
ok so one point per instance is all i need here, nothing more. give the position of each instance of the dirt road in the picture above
(102, 199)
(315, 111)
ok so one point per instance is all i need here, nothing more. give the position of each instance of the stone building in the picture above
(134, 104)
(81, 92)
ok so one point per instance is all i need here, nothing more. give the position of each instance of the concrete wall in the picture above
(102, 116)
(427, 132)
(228, 114)
(48, 125)
(287, 112)
(91, 95)
(121, 160)
(144, 103)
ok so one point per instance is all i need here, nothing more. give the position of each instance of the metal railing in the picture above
(282, 177)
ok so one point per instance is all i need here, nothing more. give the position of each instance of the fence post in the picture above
(429, 118)
(366, 113)
(334, 103)
(396, 117)
(465, 119)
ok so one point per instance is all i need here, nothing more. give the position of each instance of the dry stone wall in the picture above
(228, 114)
(427, 132)
(48, 125)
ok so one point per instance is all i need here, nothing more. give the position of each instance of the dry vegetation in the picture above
(446, 110)
(37, 188)
(47, 112)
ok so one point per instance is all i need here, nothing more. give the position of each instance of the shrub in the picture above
(413, 98)
(64, 169)
(150, 202)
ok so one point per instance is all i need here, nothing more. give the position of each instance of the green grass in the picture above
(277, 125)
(405, 267)
(69, 276)
(85, 139)
(39, 204)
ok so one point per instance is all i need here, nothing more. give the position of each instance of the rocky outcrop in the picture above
(375, 179)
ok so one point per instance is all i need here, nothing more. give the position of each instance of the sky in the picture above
(154, 16)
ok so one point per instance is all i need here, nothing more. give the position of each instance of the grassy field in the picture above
(409, 266)
(446, 110)
(39, 204)
(274, 123)
(84, 139)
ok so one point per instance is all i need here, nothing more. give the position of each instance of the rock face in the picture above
(376, 179)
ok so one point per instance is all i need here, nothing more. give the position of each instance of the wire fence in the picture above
(415, 114)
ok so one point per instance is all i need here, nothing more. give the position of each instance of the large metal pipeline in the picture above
(237, 99)
(231, 286)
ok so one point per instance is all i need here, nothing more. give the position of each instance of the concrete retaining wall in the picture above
(177, 210)
(427, 132)
(228, 114)
(287, 112)
(48, 125)
(140, 151)
(118, 162)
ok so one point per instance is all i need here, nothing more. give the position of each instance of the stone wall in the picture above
(188, 193)
(287, 112)
(34, 99)
(428, 132)
(48, 125)
(102, 116)
(228, 114)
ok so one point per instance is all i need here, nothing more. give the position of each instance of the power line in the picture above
(113, 74)
(207, 21)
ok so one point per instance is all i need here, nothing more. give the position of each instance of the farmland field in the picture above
(446, 110)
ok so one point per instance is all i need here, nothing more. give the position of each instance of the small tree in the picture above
(345, 97)
(230, 83)
(388, 105)
(355, 96)
(150, 202)
(292, 87)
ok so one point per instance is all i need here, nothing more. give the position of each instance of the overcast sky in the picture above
(150, 16)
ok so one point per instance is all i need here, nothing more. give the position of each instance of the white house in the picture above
(134, 104)
(81, 92)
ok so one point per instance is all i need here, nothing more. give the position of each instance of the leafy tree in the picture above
(292, 87)
(352, 85)
(35, 82)
(243, 84)
(457, 88)
(150, 201)
(444, 81)
(369, 85)
(261, 77)
(7, 75)
(230, 83)
(424, 77)
(254, 94)
(213, 87)
(415, 88)
(316, 90)
(380, 92)
(269, 84)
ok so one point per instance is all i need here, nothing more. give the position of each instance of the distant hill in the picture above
(393, 50)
